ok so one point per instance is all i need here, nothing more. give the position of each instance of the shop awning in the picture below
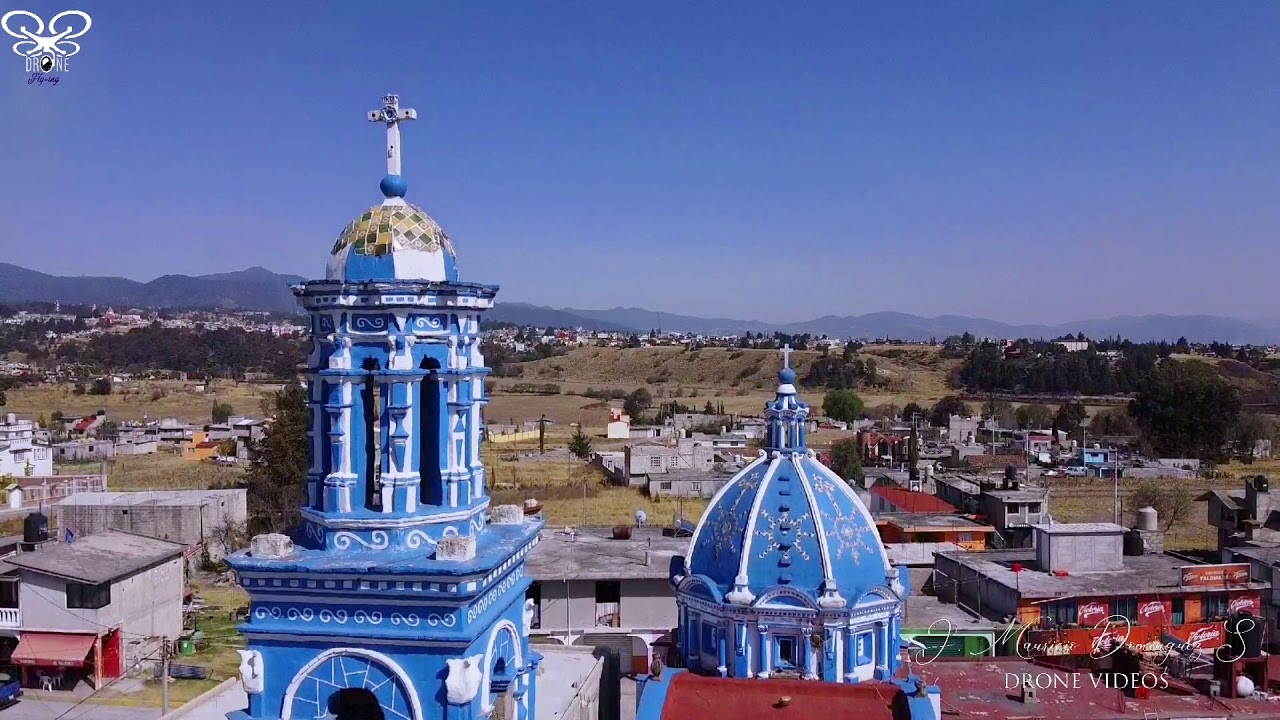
(53, 649)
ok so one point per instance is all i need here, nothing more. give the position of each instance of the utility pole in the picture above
(542, 434)
(164, 676)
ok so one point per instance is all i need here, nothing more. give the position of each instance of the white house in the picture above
(20, 454)
(619, 425)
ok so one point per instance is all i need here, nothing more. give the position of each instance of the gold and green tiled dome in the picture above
(392, 241)
(384, 228)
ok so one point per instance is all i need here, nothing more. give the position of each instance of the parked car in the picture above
(1076, 471)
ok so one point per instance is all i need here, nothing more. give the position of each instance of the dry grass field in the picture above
(142, 399)
(167, 471)
(1084, 500)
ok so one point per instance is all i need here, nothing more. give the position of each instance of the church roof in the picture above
(786, 520)
(705, 698)
(393, 241)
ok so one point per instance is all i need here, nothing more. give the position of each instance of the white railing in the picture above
(10, 618)
(50, 489)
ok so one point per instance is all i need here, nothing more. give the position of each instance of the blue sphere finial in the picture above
(786, 376)
(393, 186)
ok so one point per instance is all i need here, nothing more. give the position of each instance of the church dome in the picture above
(393, 241)
(788, 521)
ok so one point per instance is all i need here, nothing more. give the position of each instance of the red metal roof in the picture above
(988, 689)
(53, 649)
(86, 423)
(907, 501)
(702, 698)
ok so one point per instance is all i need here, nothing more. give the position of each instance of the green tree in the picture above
(1187, 410)
(1069, 417)
(846, 461)
(636, 403)
(276, 481)
(912, 409)
(1248, 430)
(108, 430)
(102, 386)
(221, 412)
(227, 448)
(940, 415)
(580, 444)
(3, 400)
(843, 405)
(1172, 501)
(1034, 416)
(1113, 421)
(1001, 411)
(709, 409)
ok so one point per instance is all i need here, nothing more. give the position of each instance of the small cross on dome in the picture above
(786, 355)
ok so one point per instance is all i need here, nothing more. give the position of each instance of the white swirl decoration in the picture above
(373, 618)
(262, 613)
(445, 620)
(409, 619)
(305, 614)
(369, 323)
(378, 540)
(333, 616)
(428, 322)
(314, 532)
(415, 539)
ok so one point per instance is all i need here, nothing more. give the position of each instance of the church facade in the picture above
(402, 595)
(786, 575)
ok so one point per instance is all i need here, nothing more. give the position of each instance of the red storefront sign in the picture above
(1153, 611)
(1245, 602)
(1091, 613)
(1215, 575)
(1205, 636)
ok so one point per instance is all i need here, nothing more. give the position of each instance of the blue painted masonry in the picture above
(786, 574)
(402, 585)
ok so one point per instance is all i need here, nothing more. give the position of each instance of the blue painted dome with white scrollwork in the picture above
(787, 520)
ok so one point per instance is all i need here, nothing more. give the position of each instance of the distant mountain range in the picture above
(260, 289)
(252, 289)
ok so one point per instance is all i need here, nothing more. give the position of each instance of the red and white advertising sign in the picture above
(1245, 603)
(1153, 612)
(1215, 575)
(1091, 613)
(1205, 636)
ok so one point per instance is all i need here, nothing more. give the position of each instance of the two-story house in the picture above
(20, 453)
(592, 588)
(95, 607)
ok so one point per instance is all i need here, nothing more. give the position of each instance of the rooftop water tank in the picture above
(1133, 545)
(1147, 519)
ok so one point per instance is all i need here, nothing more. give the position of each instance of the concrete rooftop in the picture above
(593, 554)
(98, 558)
(932, 520)
(1141, 574)
(178, 498)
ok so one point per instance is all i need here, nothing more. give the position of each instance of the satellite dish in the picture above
(641, 517)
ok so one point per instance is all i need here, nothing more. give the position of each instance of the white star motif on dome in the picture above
(728, 528)
(797, 532)
(845, 533)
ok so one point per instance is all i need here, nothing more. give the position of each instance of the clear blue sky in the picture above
(1023, 161)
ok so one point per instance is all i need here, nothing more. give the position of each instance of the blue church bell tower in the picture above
(402, 595)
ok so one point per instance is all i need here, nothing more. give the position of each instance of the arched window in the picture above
(373, 403)
(431, 490)
(355, 704)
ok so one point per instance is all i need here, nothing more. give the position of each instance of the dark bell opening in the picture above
(355, 704)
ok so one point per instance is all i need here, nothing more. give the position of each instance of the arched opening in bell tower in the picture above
(431, 489)
(355, 704)
(371, 395)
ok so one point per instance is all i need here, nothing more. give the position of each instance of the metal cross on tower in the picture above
(392, 114)
(786, 355)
